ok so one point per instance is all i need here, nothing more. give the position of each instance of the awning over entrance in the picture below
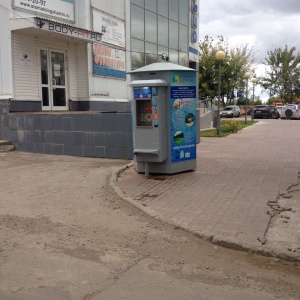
(41, 26)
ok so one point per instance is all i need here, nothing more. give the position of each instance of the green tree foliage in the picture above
(237, 61)
(282, 75)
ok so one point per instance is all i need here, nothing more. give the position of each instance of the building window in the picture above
(151, 5)
(138, 2)
(137, 54)
(184, 12)
(162, 7)
(174, 9)
(173, 56)
(137, 22)
(183, 37)
(151, 53)
(150, 27)
(163, 32)
(157, 27)
(173, 37)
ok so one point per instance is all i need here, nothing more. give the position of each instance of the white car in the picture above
(280, 110)
(291, 111)
(230, 111)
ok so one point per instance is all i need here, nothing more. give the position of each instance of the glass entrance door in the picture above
(53, 80)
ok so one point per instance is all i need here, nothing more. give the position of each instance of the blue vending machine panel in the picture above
(183, 115)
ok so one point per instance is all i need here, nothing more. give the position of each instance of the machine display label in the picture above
(183, 115)
(144, 93)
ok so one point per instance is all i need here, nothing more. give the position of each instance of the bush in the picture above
(231, 126)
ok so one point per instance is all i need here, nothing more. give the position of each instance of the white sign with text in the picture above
(61, 9)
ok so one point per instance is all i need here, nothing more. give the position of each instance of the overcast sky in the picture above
(263, 24)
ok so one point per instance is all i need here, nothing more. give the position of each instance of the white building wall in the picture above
(27, 78)
(6, 84)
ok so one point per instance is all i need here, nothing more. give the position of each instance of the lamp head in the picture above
(247, 75)
(253, 80)
(220, 55)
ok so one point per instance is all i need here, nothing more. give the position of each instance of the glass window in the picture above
(45, 95)
(150, 27)
(173, 9)
(44, 66)
(183, 37)
(163, 7)
(59, 97)
(137, 54)
(151, 53)
(173, 37)
(137, 22)
(163, 32)
(173, 54)
(162, 50)
(183, 59)
(138, 2)
(184, 12)
(151, 5)
(58, 67)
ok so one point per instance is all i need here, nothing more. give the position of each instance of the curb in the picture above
(227, 242)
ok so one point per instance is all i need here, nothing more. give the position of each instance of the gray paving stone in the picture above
(227, 195)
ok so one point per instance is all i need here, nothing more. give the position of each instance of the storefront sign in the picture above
(26, 60)
(194, 30)
(113, 29)
(183, 115)
(62, 9)
(194, 22)
(108, 62)
(100, 94)
(89, 36)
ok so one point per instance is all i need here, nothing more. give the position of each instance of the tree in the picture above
(237, 61)
(282, 76)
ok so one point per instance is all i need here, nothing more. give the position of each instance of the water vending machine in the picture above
(164, 118)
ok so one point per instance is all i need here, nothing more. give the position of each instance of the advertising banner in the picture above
(183, 115)
(108, 62)
(62, 9)
(113, 29)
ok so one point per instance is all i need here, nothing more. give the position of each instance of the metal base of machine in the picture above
(164, 168)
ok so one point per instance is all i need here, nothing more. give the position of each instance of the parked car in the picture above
(230, 111)
(279, 109)
(265, 111)
(291, 111)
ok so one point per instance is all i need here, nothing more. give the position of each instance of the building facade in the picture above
(64, 87)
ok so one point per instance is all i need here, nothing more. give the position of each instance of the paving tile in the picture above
(235, 178)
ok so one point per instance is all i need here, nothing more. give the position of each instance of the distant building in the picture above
(64, 87)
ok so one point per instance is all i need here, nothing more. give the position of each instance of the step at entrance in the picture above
(6, 146)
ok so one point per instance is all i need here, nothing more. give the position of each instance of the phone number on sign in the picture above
(41, 2)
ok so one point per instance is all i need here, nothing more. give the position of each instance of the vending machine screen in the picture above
(143, 98)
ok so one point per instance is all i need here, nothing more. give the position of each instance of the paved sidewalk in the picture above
(227, 198)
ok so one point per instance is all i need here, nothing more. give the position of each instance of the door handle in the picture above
(53, 83)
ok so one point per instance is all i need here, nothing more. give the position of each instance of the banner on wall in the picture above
(183, 115)
(61, 9)
(113, 29)
(108, 62)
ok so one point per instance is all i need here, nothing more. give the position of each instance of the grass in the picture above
(227, 127)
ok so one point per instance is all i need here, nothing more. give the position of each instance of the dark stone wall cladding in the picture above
(92, 134)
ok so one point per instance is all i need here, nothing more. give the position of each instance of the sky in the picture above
(262, 24)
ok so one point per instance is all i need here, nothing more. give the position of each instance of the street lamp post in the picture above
(246, 76)
(254, 80)
(220, 55)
